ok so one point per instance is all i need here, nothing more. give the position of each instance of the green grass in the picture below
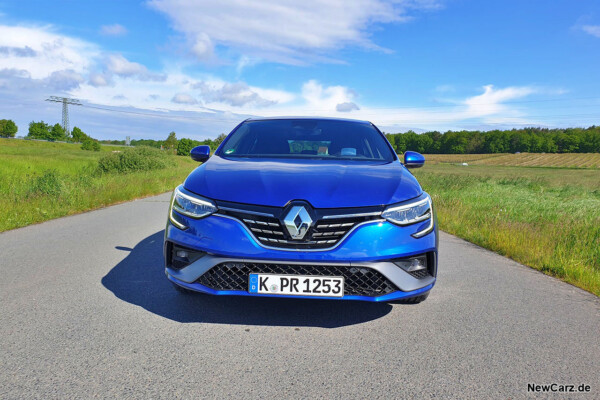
(546, 218)
(41, 180)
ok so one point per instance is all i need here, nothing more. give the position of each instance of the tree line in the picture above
(181, 147)
(43, 131)
(525, 140)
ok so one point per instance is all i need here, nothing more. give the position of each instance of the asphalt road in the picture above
(86, 311)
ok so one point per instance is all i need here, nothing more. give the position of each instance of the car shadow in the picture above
(140, 279)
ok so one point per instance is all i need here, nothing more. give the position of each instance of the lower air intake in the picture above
(359, 281)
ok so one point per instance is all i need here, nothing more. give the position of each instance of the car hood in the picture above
(322, 183)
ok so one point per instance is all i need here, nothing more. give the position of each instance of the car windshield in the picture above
(308, 138)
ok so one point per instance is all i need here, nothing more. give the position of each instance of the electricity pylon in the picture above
(65, 111)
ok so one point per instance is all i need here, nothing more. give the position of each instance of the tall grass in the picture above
(40, 180)
(532, 215)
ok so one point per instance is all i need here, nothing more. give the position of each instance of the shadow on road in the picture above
(140, 279)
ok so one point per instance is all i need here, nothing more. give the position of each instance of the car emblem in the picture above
(297, 222)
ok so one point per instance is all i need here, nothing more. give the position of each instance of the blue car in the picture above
(306, 208)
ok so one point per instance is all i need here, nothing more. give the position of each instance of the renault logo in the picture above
(297, 222)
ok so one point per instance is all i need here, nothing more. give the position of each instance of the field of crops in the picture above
(546, 218)
(43, 180)
(566, 160)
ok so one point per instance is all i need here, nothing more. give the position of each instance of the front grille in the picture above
(359, 281)
(327, 232)
(324, 233)
(268, 230)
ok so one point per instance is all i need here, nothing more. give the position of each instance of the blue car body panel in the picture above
(374, 241)
(323, 184)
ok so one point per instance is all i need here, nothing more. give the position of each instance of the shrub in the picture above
(50, 183)
(135, 159)
(90, 145)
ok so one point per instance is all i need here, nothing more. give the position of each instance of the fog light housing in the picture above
(412, 264)
(181, 253)
(179, 257)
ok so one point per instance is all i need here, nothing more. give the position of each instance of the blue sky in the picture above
(146, 68)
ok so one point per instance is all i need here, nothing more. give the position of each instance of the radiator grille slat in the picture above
(323, 234)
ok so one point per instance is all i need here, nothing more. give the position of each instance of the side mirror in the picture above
(412, 159)
(200, 153)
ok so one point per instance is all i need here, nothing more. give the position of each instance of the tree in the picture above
(454, 142)
(39, 130)
(171, 142)
(57, 132)
(8, 128)
(185, 146)
(400, 144)
(78, 135)
(218, 140)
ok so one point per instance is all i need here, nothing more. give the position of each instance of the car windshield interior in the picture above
(307, 138)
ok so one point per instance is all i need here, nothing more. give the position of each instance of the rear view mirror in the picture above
(412, 159)
(200, 153)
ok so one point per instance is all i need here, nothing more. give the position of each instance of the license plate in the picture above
(296, 285)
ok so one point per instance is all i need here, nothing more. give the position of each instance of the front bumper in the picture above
(373, 246)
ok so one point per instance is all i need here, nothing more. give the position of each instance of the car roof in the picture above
(309, 118)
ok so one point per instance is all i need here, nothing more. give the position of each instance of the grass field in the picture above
(42, 180)
(546, 218)
(567, 160)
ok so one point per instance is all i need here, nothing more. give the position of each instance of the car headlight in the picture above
(192, 206)
(411, 213)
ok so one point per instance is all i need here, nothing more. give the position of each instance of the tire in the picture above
(412, 300)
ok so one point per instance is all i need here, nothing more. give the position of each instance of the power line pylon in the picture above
(65, 110)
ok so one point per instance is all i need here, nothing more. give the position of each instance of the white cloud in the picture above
(98, 80)
(236, 94)
(490, 101)
(347, 107)
(123, 67)
(64, 80)
(593, 30)
(325, 98)
(113, 30)
(203, 47)
(487, 107)
(40, 51)
(17, 51)
(119, 65)
(285, 31)
(184, 98)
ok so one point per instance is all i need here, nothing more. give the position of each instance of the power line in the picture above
(382, 119)
(156, 115)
